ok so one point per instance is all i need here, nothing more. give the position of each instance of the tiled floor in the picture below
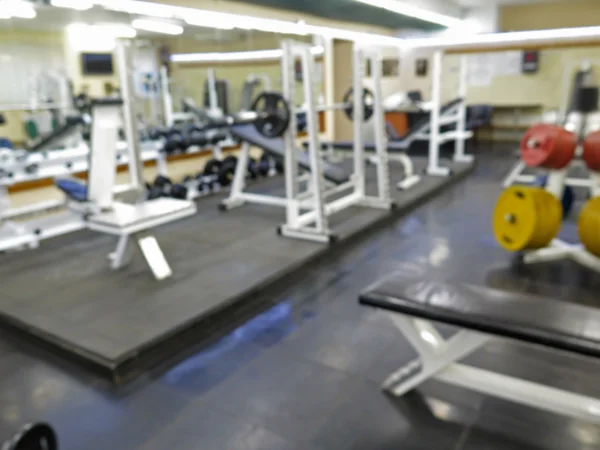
(306, 373)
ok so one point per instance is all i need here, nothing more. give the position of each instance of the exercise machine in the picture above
(308, 201)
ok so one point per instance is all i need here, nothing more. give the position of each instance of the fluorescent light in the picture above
(541, 37)
(83, 37)
(258, 55)
(157, 27)
(17, 9)
(139, 7)
(220, 20)
(117, 30)
(406, 9)
(215, 20)
(80, 5)
(317, 50)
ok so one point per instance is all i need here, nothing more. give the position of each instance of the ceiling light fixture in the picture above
(157, 27)
(139, 7)
(406, 9)
(257, 55)
(210, 21)
(79, 5)
(204, 18)
(17, 9)
(483, 41)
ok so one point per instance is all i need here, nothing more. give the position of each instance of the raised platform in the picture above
(64, 297)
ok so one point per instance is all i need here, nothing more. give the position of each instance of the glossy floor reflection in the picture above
(305, 374)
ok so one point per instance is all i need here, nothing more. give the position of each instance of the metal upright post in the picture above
(459, 151)
(123, 53)
(357, 122)
(383, 175)
(433, 167)
(167, 99)
(291, 160)
(312, 120)
(212, 91)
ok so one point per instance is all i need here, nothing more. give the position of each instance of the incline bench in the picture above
(482, 314)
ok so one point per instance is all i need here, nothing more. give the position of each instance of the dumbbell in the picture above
(212, 167)
(227, 172)
(205, 183)
(253, 171)
(264, 165)
(179, 191)
(160, 188)
(197, 139)
(279, 166)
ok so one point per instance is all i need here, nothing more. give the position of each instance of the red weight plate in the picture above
(591, 151)
(548, 146)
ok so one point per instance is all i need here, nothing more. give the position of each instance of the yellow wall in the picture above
(546, 88)
(535, 16)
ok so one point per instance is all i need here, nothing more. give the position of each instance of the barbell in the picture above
(368, 104)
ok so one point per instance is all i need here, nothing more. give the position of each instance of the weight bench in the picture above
(276, 148)
(399, 144)
(129, 220)
(482, 314)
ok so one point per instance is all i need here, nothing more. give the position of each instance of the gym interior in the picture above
(288, 225)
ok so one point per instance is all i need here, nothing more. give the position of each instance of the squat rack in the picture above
(307, 199)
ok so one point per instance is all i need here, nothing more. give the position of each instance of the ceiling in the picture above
(350, 11)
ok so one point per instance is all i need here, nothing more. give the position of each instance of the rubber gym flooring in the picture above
(120, 323)
(305, 374)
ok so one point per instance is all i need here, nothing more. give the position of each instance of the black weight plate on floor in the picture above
(38, 436)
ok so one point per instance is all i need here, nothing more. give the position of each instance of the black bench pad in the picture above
(536, 320)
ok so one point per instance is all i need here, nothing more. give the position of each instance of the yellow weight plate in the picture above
(526, 218)
(589, 226)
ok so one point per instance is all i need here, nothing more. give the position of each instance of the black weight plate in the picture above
(212, 167)
(230, 159)
(273, 114)
(179, 191)
(38, 436)
(368, 101)
(161, 181)
(253, 168)
(226, 174)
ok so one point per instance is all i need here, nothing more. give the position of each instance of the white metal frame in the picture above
(460, 135)
(438, 360)
(307, 207)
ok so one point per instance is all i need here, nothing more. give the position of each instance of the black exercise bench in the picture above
(482, 314)
(276, 148)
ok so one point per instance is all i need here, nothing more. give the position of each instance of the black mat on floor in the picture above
(64, 297)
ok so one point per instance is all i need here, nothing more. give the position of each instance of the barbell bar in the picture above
(368, 103)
